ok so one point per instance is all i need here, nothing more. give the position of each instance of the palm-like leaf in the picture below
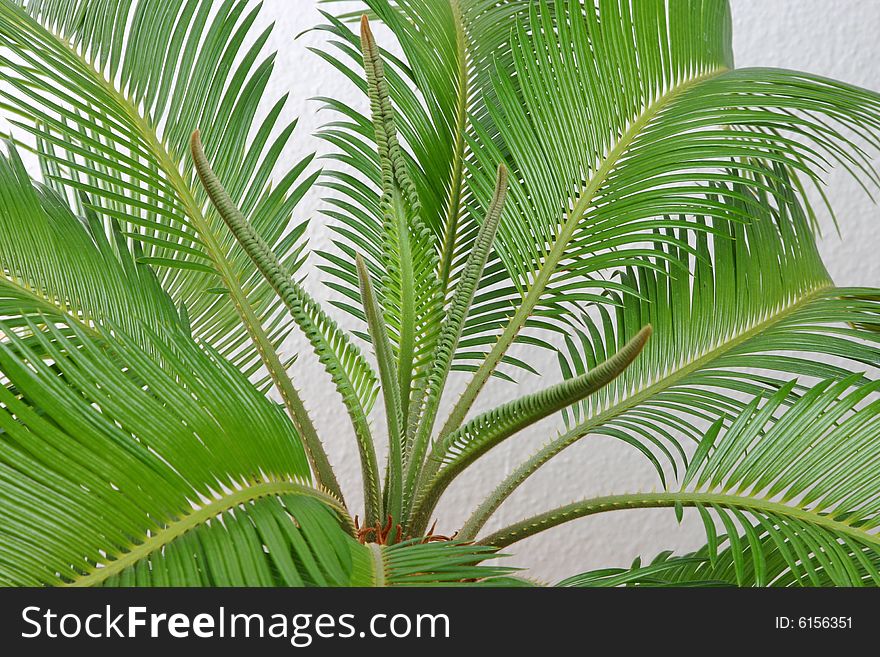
(632, 141)
(802, 480)
(66, 463)
(343, 361)
(732, 568)
(759, 290)
(412, 299)
(114, 124)
(611, 117)
(638, 154)
(118, 130)
(627, 131)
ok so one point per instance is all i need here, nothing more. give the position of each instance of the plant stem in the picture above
(544, 521)
(309, 317)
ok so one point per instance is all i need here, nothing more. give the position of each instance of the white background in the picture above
(836, 38)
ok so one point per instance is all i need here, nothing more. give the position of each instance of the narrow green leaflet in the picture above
(52, 264)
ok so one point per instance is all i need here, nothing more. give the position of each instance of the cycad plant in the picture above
(590, 178)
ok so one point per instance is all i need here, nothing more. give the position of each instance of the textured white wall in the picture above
(837, 39)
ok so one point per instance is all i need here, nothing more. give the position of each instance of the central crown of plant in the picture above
(414, 368)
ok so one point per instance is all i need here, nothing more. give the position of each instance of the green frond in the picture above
(803, 475)
(450, 333)
(735, 564)
(88, 487)
(620, 119)
(732, 565)
(435, 46)
(341, 358)
(110, 118)
(442, 563)
(757, 290)
(433, 124)
(303, 547)
(119, 470)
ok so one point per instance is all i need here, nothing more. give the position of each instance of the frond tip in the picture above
(461, 448)
(488, 429)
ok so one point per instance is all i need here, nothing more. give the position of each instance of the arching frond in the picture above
(617, 119)
(758, 290)
(117, 471)
(804, 476)
(443, 563)
(734, 563)
(89, 440)
(111, 125)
